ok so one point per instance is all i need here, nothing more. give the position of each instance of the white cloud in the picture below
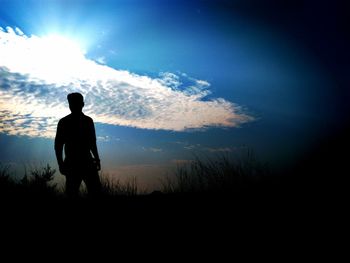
(19, 31)
(169, 79)
(203, 83)
(152, 149)
(191, 146)
(101, 60)
(155, 150)
(36, 74)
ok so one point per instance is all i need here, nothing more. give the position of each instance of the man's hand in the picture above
(98, 164)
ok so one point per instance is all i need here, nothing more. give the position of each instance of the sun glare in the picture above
(62, 46)
(56, 57)
(52, 58)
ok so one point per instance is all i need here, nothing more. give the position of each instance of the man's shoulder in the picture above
(87, 118)
(64, 119)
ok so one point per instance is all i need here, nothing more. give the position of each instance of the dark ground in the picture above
(302, 210)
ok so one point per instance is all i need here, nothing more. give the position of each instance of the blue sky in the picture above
(171, 79)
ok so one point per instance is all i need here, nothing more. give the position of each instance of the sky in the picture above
(167, 80)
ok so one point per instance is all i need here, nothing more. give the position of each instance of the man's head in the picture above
(76, 102)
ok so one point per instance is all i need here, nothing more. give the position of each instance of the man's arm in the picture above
(96, 156)
(59, 142)
(94, 148)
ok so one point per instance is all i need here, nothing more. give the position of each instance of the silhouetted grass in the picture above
(7, 184)
(4, 174)
(39, 182)
(222, 174)
(225, 174)
(115, 187)
(218, 187)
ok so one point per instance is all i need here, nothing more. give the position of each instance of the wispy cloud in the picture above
(192, 146)
(101, 60)
(220, 149)
(152, 149)
(36, 73)
(202, 148)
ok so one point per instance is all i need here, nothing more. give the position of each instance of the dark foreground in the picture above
(305, 207)
(277, 217)
(270, 198)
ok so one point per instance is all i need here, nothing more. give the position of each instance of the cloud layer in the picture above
(36, 74)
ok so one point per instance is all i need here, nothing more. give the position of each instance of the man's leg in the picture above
(72, 185)
(93, 183)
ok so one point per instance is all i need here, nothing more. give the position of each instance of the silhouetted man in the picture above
(76, 132)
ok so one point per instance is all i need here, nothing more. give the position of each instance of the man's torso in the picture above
(77, 133)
